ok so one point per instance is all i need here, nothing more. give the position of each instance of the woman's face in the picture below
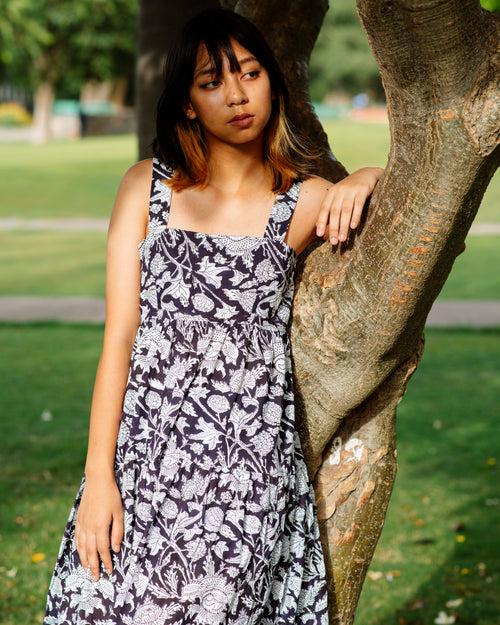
(215, 102)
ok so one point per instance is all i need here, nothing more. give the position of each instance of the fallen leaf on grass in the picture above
(444, 619)
(416, 605)
(454, 603)
(38, 557)
(46, 415)
(389, 575)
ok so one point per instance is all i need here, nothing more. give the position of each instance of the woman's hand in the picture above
(344, 202)
(100, 507)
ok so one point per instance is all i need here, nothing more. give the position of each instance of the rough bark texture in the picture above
(359, 312)
(159, 22)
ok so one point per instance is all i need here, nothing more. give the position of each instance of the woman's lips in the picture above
(242, 123)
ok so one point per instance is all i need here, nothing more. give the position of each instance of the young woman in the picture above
(195, 505)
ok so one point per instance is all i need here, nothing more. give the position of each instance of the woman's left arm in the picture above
(343, 203)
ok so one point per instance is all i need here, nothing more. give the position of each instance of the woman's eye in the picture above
(208, 83)
(205, 85)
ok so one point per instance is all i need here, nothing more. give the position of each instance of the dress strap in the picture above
(283, 209)
(159, 197)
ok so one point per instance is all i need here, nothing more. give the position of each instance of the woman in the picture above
(195, 505)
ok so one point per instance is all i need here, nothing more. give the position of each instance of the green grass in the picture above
(445, 436)
(64, 178)
(53, 263)
(471, 276)
(443, 475)
(73, 263)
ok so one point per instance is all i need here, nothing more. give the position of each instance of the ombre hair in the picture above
(180, 141)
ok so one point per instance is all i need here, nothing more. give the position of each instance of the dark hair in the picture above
(179, 141)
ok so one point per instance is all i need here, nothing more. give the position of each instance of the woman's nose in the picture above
(235, 93)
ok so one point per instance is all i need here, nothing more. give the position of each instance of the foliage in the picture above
(66, 42)
(70, 42)
(342, 59)
(14, 114)
(491, 5)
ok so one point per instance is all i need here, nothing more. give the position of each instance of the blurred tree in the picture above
(52, 45)
(343, 40)
(159, 23)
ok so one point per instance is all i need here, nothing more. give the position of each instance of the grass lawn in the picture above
(53, 263)
(63, 178)
(73, 263)
(447, 474)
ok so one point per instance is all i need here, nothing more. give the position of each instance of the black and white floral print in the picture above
(219, 512)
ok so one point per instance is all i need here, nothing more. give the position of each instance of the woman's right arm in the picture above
(100, 516)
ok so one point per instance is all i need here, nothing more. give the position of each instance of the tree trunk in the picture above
(42, 112)
(159, 22)
(119, 92)
(359, 312)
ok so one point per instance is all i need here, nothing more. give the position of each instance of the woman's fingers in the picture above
(100, 508)
(340, 211)
(359, 202)
(103, 548)
(342, 206)
(322, 218)
(117, 530)
(92, 557)
(80, 545)
(345, 217)
(335, 215)
(335, 210)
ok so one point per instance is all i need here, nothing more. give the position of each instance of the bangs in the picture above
(217, 47)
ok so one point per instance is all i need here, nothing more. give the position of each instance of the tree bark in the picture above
(159, 22)
(359, 311)
(42, 113)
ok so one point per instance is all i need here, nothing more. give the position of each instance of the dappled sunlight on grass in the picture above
(440, 539)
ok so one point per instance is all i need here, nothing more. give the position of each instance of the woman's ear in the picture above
(188, 111)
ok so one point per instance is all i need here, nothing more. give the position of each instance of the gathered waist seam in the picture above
(275, 325)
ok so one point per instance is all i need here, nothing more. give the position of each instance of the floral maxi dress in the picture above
(220, 522)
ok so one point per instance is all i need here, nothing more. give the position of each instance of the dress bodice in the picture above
(216, 277)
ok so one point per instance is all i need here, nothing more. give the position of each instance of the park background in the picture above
(66, 137)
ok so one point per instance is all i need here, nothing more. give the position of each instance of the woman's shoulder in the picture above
(140, 170)
(135, 183)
